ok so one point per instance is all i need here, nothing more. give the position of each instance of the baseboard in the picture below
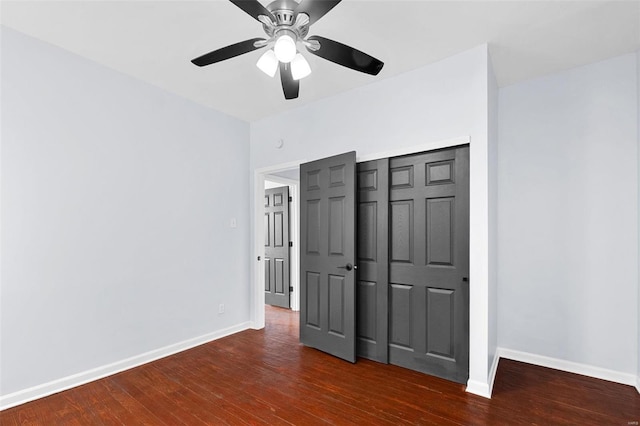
(570, 367)
(59, 385)
(484, 389)
(493, 371)
(478, 388)
(638, 384)
(256, 326)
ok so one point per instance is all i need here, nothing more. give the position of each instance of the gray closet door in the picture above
(373, 255)
(276, 247)
(327, 255)
(429, 263)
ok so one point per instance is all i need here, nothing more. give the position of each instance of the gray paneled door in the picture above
(327, 255)
(373, 259)
(276, 247)
(429, 263)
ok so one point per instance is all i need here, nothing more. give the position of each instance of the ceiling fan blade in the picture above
(290, 87)
(346, 56)
(253, 8)
(227, 52)
(316, 9)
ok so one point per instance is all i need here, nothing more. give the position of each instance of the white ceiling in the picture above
(154, 41)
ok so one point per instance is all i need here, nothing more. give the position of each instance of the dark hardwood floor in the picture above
(266, 377)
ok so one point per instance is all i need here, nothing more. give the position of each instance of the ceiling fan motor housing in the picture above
(283, 12)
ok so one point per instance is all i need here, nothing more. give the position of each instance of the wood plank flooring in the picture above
(267, 378)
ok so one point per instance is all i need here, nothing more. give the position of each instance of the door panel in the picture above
(278, 235)
(312, 300)
(327, 241)
(267, 274)
(276, 241)
(440, 331)
(402, 231)
(400, 335)
(336, 304)
(280, 276)
(429, 263)
(373, 254)
(367, 231)
(440, 224)
(336, 226)
(267, 229)
(366, 313)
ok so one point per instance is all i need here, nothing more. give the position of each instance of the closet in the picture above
(404, 297)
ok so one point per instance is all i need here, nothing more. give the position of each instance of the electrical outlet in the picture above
(221, 308)
(233, 222)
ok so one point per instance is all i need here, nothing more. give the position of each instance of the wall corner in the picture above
(638, 240)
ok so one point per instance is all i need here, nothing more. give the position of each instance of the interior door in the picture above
(327, 255)
(373, 260)
(276, 247)
(429, 263)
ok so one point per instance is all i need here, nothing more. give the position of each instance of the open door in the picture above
(327, 255)
(276, 247)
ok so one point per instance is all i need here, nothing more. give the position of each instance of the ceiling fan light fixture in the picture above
(300, 67)
(268, 63)
(286, 24)
(285, 47)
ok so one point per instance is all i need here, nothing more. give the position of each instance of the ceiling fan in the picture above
(286, 23)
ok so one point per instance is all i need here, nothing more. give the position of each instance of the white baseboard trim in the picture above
(484, 389)
(478, 388)
(493, 371)
(256, 326)
(64, 383)
(570, 367)
(638, 384)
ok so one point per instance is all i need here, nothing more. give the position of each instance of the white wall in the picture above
(116, 205)
(441, 101)
(568, 209)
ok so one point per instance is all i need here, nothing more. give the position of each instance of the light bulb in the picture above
(285, 48)
(268, 63)
(300, 67)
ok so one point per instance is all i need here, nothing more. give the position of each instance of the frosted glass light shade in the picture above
(300, 67)
(285, 48)
(268, 63)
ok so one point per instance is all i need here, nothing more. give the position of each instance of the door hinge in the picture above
(290, 243)
(290, 199)
(290, 289)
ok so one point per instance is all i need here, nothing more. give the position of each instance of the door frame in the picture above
(256, 288)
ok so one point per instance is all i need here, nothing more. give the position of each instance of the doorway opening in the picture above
(284, 174)
(287, 178)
